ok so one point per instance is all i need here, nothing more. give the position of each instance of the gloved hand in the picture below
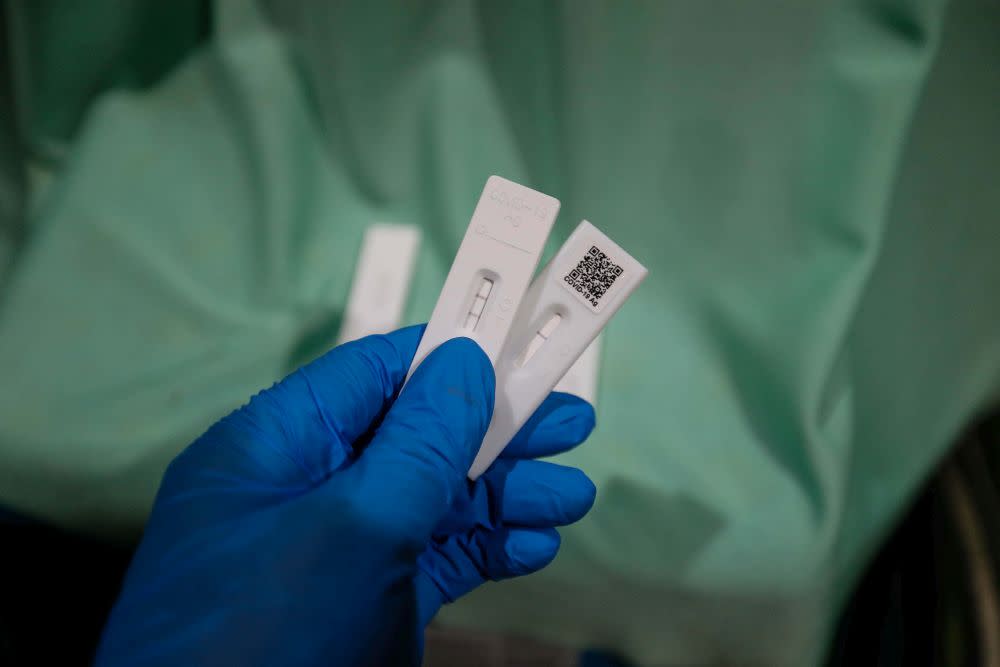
(325, 522)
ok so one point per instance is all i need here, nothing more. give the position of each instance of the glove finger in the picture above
(417, 461)
(298, 432)
(450, 569)
(527, 493)
(560, 423)
(540, 494)
(524, 550)
(340, 395)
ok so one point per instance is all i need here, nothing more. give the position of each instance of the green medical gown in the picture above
(814, 187)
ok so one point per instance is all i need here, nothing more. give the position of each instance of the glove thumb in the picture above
(417, 461)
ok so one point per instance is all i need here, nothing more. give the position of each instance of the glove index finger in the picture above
(352, 384)
(560, 423)
(419, 457)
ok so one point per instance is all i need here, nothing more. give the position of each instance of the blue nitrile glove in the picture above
(325, 523)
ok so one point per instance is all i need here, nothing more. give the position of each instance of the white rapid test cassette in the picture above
(584, 375)
(381, 282)
(492, 269)
(565, 308)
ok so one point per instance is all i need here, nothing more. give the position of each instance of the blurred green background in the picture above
(813, 186)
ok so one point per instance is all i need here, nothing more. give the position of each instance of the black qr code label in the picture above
(593, 276)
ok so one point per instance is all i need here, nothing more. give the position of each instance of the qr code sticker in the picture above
(593, 276)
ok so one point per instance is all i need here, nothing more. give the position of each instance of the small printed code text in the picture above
(593, 276)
